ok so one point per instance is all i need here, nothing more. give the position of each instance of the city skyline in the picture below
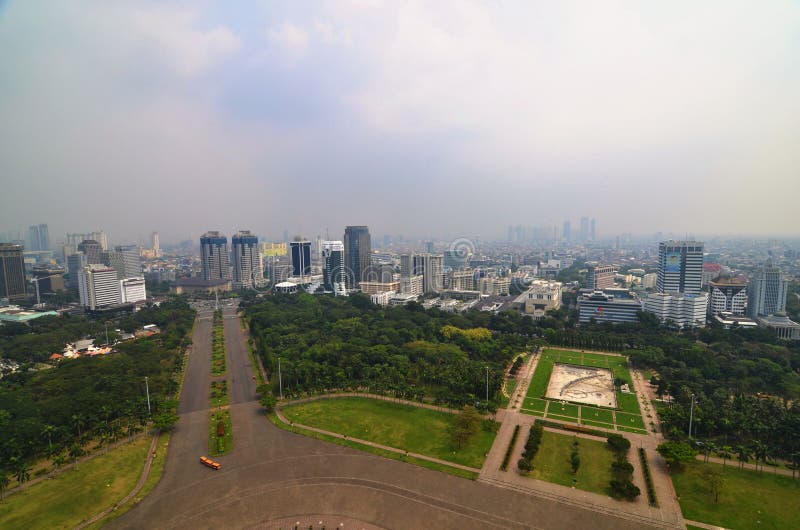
(663, 118)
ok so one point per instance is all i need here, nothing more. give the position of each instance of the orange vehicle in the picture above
(210, 463)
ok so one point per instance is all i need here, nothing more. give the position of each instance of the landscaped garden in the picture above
(218, 346)
(413, 429)
(220, 433)
(626, 417)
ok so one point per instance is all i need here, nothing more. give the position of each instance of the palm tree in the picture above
(4, 480)
(710, 447)
(22, 472)
(725, 452)
(48, 431)
(743, 454)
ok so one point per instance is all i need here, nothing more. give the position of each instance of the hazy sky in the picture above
(430, 117)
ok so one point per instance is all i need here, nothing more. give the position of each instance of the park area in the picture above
(747, 499)
(552, 463)
(75, 495)
(571, 385)
(406, 427)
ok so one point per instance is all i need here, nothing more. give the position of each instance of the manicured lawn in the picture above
(552, 463)
(631, 429)
(591, 423)
(220, 445)
(535, 404)
(571, 358)
(630, 420)
(568, 409)
(77, 494)
(540, 378)
(596, 414)
(748, 499)
(628, 403)
(601, 360)
(413, 429)
(511, 385)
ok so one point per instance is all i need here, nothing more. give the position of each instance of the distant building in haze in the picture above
(12, 272)
(125, 260)
(357, 252)
(431, 266)
(38, 237)
(248, 272)
(92, 250)
(214, 256)
(584, 229)
(566, 232)
(75, 262)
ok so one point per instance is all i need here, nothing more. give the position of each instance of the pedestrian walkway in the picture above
(703, 525)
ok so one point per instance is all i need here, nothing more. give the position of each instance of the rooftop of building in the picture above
(14, 313)
(778, 319)
(197, 281)
(729, 281)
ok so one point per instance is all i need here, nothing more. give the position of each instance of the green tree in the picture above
(268, 401)
(165, 421)
(676, 453)
(4, 481)
(715, 480)
(465, 424)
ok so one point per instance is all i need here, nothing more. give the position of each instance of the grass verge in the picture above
(374, 450)
(405, 427)
(77, 494)
(748, 499)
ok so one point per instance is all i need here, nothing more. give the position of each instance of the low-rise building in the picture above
(729, 320)
(606, 307)
(412, 285)
(379, 287)
(380, 298)
(784, 327)
(541, 296)
(495, 286)
(197, 284)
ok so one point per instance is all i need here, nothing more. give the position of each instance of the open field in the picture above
(552, 463)
(77, 494)
(628, 416)
(748, 499)
(413, 429)
(581, 384)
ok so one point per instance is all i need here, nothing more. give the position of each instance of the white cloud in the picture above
(291, 38)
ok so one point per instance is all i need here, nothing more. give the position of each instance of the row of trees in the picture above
(49, 413)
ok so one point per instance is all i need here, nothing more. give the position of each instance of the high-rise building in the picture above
(156, 245)
(12, 272)
(333, 270)
(38, 237)
(75, 262)
(125, 260)
(584, 229)
(767, 291)
(456, 259)
(600, 277)
(606, 307)
(680, 267)
(728, 295)
(49, 279)
(99, 286)
(301, 258)
(248, 272)
(683, 310)
(566, 232)
(214, 256)
(92, 250)
(407, 265)
(101, 237)
(357, 252)
(431, 266)
(593, 229)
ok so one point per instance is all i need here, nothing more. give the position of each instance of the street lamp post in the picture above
(487, 386)
(280, 380)
(147, 389)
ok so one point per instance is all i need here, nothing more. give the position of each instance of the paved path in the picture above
(732, 462)
(273, 474)
(703, 525)
(148, 464)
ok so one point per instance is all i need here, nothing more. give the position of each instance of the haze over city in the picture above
(415, 117)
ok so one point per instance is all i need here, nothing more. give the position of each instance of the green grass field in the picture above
(597, 414)
(748, 499)
(414, 429)
(566, 409)
(552, 463)
(77, 494)
(535, 404)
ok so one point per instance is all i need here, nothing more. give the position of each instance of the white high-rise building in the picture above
(133, 290)
(156, 245)
(431, 266)
(214, 256)
(98, 286)
(727, 295)
(334, 274)
(248, 271)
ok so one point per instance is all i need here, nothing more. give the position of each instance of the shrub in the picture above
(510, 448)
(624, 489)
(220, 429)
(618, 443)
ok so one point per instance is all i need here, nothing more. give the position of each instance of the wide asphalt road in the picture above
(273, 474)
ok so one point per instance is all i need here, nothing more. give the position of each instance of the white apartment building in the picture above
(683, 309)
(133, 290)
(98, 286)
(495, 286)
(411, 284)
